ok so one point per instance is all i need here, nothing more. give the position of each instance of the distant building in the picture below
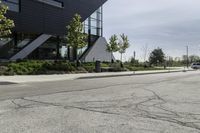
(40, 27)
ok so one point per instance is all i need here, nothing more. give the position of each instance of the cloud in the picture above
(170, 24)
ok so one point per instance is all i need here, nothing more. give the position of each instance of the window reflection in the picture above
(94, 24)
(13, 5)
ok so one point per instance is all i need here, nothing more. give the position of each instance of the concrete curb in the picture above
(133, 74)
(51, 78)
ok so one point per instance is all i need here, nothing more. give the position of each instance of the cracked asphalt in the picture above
(161, 103)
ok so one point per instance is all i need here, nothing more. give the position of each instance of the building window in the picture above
(55, 3)
(13, 5)
(94, 24)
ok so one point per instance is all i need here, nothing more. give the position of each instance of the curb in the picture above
(133, 74)
(76, 77)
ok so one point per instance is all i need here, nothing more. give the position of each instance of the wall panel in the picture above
(37, 17)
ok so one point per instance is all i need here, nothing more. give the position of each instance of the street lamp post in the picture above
(187, 52)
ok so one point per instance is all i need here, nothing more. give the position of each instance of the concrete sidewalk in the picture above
(48, 78)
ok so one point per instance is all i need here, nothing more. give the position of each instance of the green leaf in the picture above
(75, 36)
(5, 24)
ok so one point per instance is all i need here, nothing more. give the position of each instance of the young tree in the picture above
(184, 59)
(133, 61)
(75, 37)
(112, 46)
(146, 52)
(5, 24)
(157, 56)
(123, 44)
(193, 58)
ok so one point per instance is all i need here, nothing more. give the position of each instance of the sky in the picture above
(168, 24)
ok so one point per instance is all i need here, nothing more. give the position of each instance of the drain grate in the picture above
(7, 83)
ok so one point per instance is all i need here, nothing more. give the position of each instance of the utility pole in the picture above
(198, 54)
(134, 55)
(187, 52)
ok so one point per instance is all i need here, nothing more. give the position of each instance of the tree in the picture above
(157, 56)
(5, 24)
(75, 36)
(112, 46)
(184, 59)
(134, 62)
(193, 58)
(169, 61)
(123, 44)
(145, 50)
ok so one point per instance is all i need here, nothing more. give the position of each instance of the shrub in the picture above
(116, 67)
(3, 70)
(25, 67)
(28, 67)
(89, 66)
(104, 65)
(90, 69)
(131, 68)
(81, 70)
(59, 66)
(38, 67)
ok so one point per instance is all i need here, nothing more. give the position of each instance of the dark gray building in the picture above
(40, 26)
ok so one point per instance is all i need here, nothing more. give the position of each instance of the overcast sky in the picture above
(169, 24)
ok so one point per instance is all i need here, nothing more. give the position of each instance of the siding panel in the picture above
(37, 17)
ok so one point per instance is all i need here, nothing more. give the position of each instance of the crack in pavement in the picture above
(152, 106)
(92, 110)
(172, 119)
(169, 116)
(137, 85)
(40, 102)
(19, 106)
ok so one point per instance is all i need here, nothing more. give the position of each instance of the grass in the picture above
(143, 68)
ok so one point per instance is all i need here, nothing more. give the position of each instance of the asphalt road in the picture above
(161, 103)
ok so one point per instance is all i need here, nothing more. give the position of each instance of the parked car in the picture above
(195, 66)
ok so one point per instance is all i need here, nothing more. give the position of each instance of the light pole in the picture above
(169, 63)
(187, 53)
(134, 55)
(198, 54)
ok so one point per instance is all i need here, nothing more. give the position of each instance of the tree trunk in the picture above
(74, 53)
(58, 49)
(77, 59)
(69, 53)
(121, 61)
(111, 57)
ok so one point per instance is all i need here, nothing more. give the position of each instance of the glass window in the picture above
(94, 15)
(86, 28)
(13, 5)
(94, 31)
(94, 23)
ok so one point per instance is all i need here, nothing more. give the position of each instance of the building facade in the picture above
(40, 28)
